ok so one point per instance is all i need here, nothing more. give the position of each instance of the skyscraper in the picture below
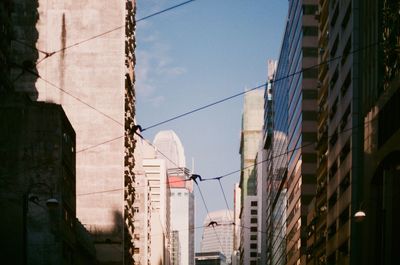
(59, 56)
(251, 136)
(250, 143)
(357, 171)
(294, 94)
(218, 237)
(181, 197)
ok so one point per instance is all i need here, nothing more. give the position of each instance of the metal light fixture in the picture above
(52, 203)
(359, 216)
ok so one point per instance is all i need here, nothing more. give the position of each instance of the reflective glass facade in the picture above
(292, 173)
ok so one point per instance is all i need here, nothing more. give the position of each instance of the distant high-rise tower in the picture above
(218, 237)
(251, 136)
(170, 149)
(250, 143)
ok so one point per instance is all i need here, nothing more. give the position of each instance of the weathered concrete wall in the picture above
(89, 81)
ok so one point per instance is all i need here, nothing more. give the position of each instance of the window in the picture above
(334, 47)
(253, 254)
(253, 220)
(310, 72)
(344, 217)
(254, 203)
(253, 246)
(253, 229)
(309, 9)
(346, 17)
(310, 31)
(253, 237)
(253, 212)
(310, 52)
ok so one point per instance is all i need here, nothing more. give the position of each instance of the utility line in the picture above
(209, 217)
(164, 10)
(49, 54)
(260, 162)
(260, 86)
(210, 104)
(226, 201)
(187, 113)
(202, 107)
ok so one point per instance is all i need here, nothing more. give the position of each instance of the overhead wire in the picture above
(210, 104)
(268, 159)
(49, 54)
(226, 201)
(209, 217)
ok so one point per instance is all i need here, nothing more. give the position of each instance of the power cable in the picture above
(226, 201)
(202, 107)
(257, 163)
(164, 10)
(80, 100)
(195, 110)
(49, 54)
(260, 86)
(208, 214)
(210, 104)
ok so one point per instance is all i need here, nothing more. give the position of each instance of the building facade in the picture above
(37, 193)
(249, 231)
(250, 143)
(292, 173)
(59, 56)
(358, 138)
(182, 214)
(181, 207)
(237, 206)
(218, 237)
(210, 258)
(251, 135)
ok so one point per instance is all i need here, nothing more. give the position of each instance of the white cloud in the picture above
(153, 63)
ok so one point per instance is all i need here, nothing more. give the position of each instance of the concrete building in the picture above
(210, 258)
(249, 231)
(218, 237)
(59, 56)
(37, 186)
(182, 213)
(170, 148)
(378, 193)
(5, 40)
(156, 175)
(251, 136)
(358, 94)
(316, 247)
(142, 207)
(250, 142)
(175, 248)
(237, 206)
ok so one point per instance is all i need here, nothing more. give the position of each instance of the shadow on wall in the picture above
(24, 55)
(109, 242)
(5, 38)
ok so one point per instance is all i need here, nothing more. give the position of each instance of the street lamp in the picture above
(359, 216)
(51, 203)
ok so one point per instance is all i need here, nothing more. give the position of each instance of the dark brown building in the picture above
(359, 137)
(37, 191)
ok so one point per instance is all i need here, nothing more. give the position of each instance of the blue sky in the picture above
(196, 54)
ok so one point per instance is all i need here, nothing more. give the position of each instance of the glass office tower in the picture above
(294, 94)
